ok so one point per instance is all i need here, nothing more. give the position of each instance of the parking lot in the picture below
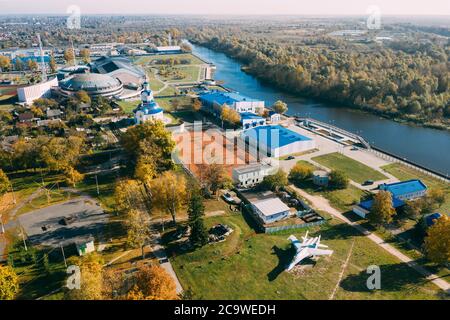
(64, 223)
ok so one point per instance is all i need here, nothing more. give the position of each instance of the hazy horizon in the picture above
(230, 7)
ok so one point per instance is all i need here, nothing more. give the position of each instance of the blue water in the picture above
(425, 146)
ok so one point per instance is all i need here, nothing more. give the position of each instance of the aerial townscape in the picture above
(195, 157)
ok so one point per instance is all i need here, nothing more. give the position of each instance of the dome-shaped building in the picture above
(93, 83)
(149, 108)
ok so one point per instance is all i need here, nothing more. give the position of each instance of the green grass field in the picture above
(402, 172)
(355, 170)
(251, 266)
(148, 59)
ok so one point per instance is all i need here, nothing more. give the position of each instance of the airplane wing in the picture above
(299, 257)
(320, 252)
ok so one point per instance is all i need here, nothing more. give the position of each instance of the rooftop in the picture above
(274, 136)
(271, 206)
(90, 82)
(404, 187)
(228, 98)
(250, 116)
(252, 168)
(367, 205)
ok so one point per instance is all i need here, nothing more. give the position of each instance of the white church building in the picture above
(149, 108)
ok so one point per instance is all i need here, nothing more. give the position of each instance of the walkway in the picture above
(160, 254)
(320, 203)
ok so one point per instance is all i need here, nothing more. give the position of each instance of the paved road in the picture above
(160, 254)
(321, 203)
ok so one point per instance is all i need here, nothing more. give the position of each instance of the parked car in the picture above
(354, 149)
(290, 158)
(368, 183)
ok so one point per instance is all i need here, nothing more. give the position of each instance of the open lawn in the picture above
(403, 172)
(146, 60)
(355, 170)
(251, 266)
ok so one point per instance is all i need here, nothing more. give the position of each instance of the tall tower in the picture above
(43, 66)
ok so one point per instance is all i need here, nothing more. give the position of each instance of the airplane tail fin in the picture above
(305, 237)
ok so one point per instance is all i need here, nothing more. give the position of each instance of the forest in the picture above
(403, 80)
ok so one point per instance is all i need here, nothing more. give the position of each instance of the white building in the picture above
(214, 100)
(320, 178)
(148, 109)
(251, 175)
(270, 210)
(276, 141)
(41, 90)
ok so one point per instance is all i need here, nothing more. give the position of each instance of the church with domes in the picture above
(149, 108)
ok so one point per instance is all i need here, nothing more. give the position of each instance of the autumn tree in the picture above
(280, 107)
(382, 210)
(150, 138)
(72, 176)
(300, 172)
(338, 180)
(214, 177)
(9, 283)
(168, 193)
(5, 63)
(85, 55)
(83, 97)
(69, 56)
(129, 195)
(230, 115)
(437, 241)
(275, 181)
(196, 211)
(62, 153)
(32, 65)
(153, 283)
(91, 268)
(145, 168)
(18, 65)
(138, 230)
(52, 65)
(4, 183)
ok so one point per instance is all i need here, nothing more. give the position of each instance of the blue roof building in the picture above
(276, 141)
(251, 120)
(405, 190)
(431, 219)
(401, 192)
(214, 100)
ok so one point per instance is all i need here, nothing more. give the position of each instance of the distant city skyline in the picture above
(229, 7)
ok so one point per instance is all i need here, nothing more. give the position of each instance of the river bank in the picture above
(419, 144)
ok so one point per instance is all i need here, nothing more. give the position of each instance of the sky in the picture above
(225, 7)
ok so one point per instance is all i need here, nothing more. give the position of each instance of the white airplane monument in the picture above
(310, 247)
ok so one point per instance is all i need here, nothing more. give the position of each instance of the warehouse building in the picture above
(276, 141)
(251, 175)
(401, 192)
(214, 100)
(28, 94)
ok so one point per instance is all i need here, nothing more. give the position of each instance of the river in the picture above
(425, 146)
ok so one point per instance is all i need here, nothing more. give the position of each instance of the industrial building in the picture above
(251, 120)
(270, 210)
(251, 175)
(120, 68)
(401, 192)
(94, 84)
(276, 141)
(148, 110)
(405, 190)
(28, 94)
(214, 100)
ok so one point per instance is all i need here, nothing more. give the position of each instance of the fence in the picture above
(393, 158)
(294, 226)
